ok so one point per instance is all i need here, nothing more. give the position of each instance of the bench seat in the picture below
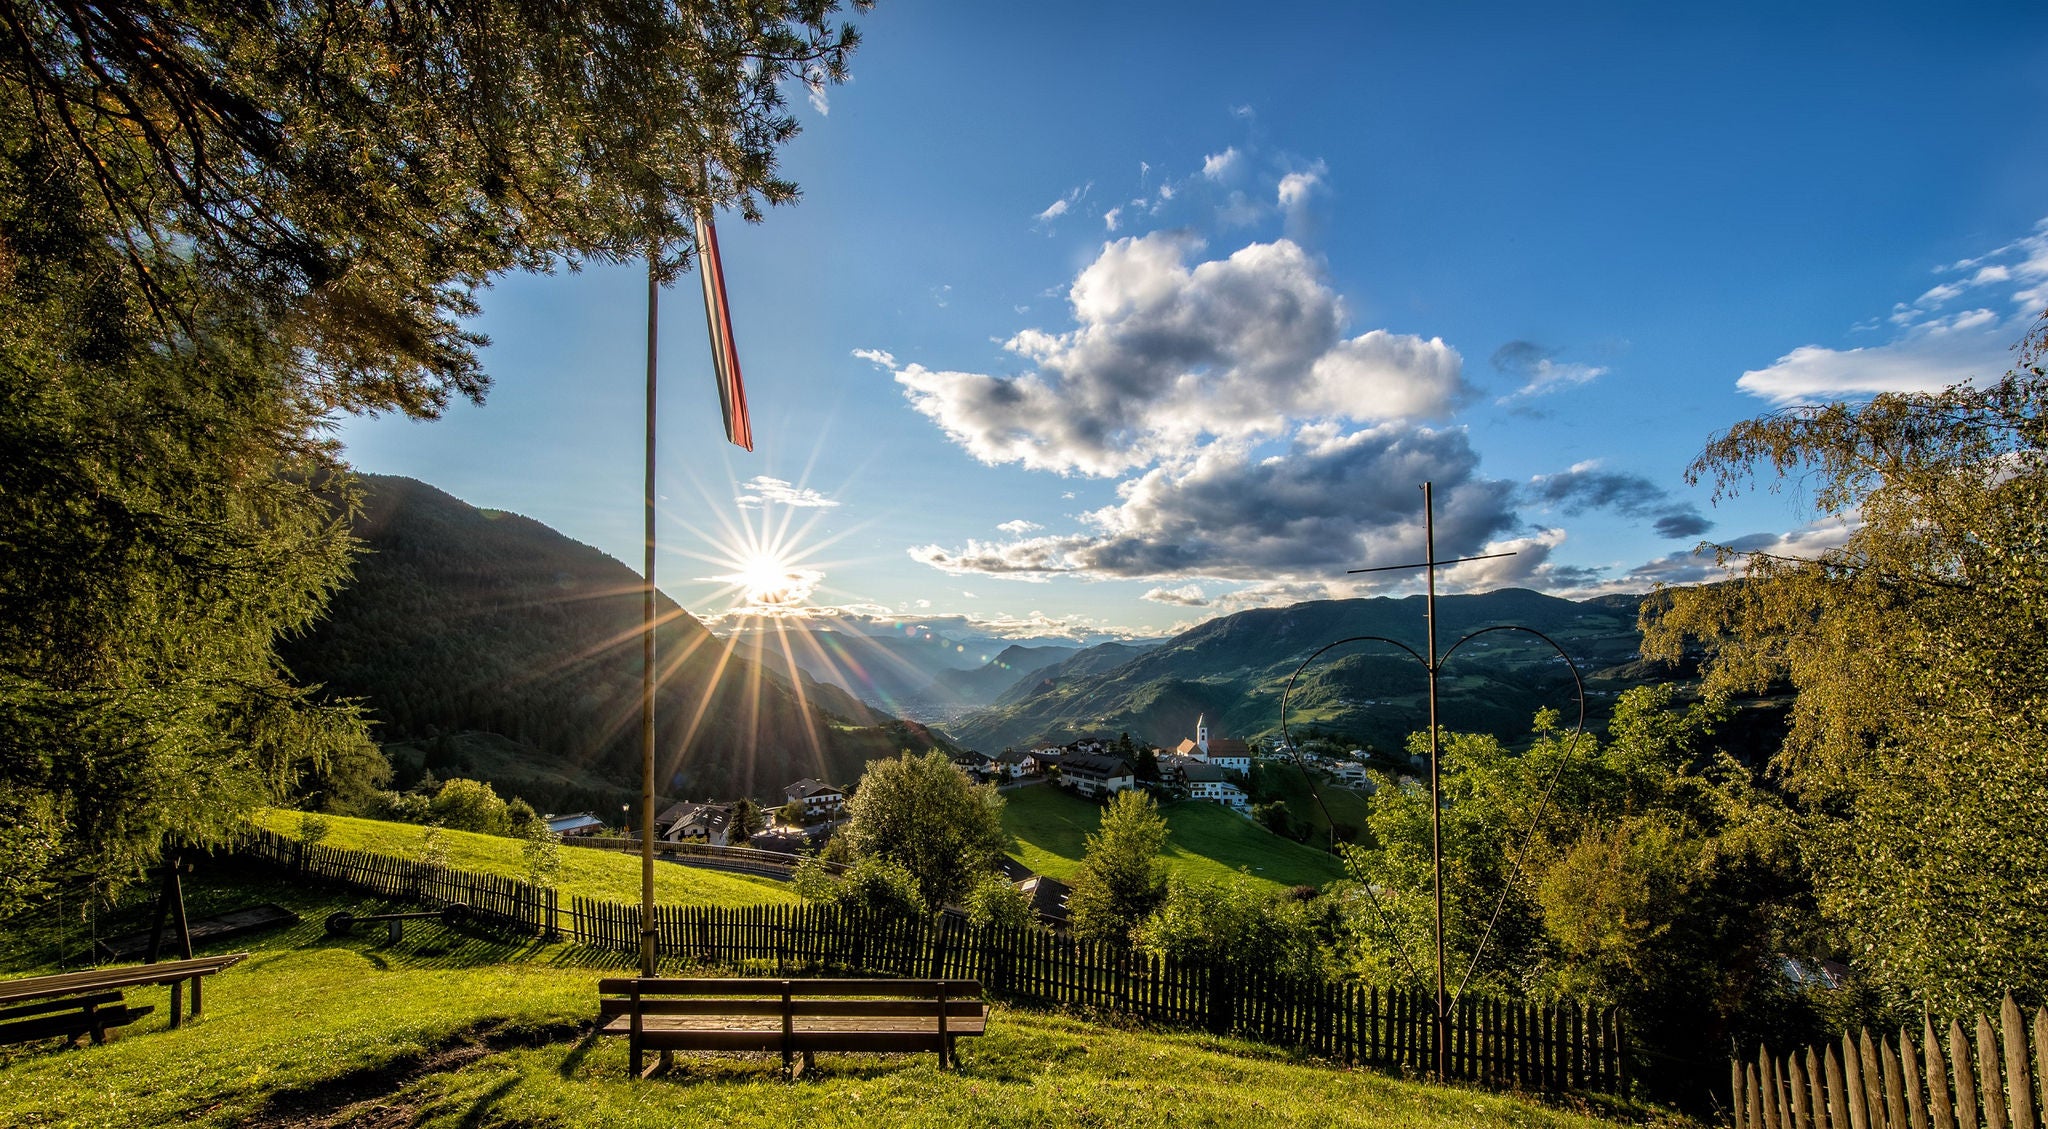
(97, 1015)
(795, 1017)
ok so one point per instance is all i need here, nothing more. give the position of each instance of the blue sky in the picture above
(1118, 317)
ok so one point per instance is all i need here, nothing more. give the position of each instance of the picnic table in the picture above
(74, 1004)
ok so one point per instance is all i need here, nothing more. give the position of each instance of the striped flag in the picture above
(725, 357)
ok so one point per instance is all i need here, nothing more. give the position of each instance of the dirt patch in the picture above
(369, 1099)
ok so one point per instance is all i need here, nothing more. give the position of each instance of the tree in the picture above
(1147, 764)
(541, 848)
(1120, 880)
(1915, 648)
(471, 805)
(220, 223)
(994, 901)
(922, 813)
(746, 820)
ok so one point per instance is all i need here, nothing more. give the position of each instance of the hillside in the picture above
(1204, 842)
(984, 684)
(486, 644)
(1233, 670)
(460, 1028)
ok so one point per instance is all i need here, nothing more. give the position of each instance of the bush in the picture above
(471, 805)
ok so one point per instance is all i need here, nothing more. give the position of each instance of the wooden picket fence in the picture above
(502, 903)
(1879, 1083)
(1549, 1046)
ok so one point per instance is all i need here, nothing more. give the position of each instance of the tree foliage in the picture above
(1915, 645)
(1662, 878)
(1120, 881)
(471, 805)
(360, 170)
(220, 223)
(922, 813)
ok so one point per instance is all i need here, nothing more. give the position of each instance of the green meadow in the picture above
(1205, 842)
(445, 1028)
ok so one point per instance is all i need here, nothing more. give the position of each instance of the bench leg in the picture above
(177, 1002)
(195, 995)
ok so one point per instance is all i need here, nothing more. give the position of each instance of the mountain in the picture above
(983, 685)
(892, 672)
(486, 644)
(1091, 660)
(1234, 669)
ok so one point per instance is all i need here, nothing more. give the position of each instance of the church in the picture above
(1226, 753)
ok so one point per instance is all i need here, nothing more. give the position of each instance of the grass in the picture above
(1205, 842)
(1286, 781)
(588, 873)
(447, 1029)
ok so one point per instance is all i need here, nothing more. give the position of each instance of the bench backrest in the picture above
(67, 983)
(763, 996)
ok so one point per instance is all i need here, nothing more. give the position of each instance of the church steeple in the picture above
(1202, 733)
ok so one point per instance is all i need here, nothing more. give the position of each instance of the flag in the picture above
(725, 357)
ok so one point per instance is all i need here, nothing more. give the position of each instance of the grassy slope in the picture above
(448, 1029)
(1347, 806)
(1205, 842)
(588, 873)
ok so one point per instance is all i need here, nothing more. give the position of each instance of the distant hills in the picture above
(487, 644)
(1233, 670)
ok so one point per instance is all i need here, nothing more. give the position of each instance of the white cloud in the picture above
(1064, 204)
(1295, 187)
(1166, 356)
(1112, 217)
(1019, 526)
(820, 101)
(762, 490)
(1930, 349)
(880, 357)
(1219, 166)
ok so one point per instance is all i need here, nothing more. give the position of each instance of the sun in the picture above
(769, 580)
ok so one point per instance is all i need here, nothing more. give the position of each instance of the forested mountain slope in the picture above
(1234, 668)
(460, 619)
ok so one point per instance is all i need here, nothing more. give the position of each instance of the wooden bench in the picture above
(796, 1017)
(97, 1015)
(72, 1004)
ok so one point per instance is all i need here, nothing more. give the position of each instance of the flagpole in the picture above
(647, 652)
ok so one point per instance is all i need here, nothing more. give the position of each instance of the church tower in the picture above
(1202, 733)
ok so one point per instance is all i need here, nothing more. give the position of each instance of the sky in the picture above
(1110, 319)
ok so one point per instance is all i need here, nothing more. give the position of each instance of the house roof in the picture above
(1048, 896)
(807, 787)
(1011, 756)
(1086, 765)
(1012, 871)
(1199, 773)
(576, 822)
(1228, 747)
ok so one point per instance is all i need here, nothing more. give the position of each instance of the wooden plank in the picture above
(1838, 1092)
(1991, 1091)
(1817, 1094)
(1873, 1080)
(1802, 1098)
(1940, 1109)
(1852, 1080)
(1965, 1075)
(2041, 1055)
(1894, 1086)
(2019, 1091)
(1909, 1064)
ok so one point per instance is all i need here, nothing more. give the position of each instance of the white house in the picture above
(1097, 775)
(820, 800)
(1206, 782)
